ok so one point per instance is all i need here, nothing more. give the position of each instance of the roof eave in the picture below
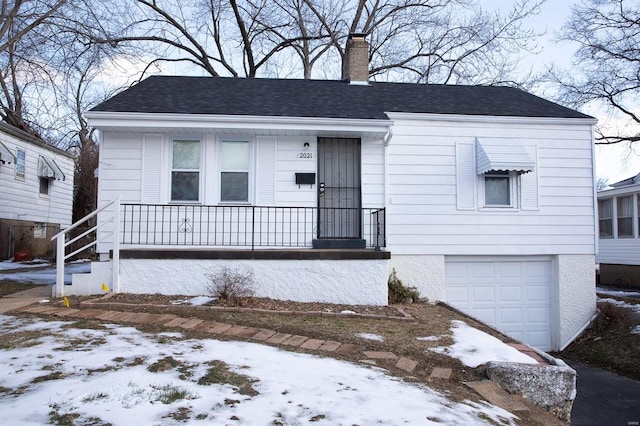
(491, 118)
(108, 120)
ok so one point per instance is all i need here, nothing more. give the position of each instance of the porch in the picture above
(298, 253)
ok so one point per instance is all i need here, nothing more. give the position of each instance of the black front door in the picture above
(339, 190)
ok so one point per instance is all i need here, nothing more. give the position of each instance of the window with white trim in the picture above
(44, 185)
(625, 216)
(234, 172)
(605, 218)
(20, 164)
(499, 189)
(185, 170)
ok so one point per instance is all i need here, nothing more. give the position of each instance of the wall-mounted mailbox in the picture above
(305, 178)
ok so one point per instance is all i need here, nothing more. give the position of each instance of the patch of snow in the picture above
(10, 264)
(474, 347)
(348, 312)
(635, 330)
(47, 276)
(370, 336)
(621, 304)
(43, 301)
(200, 300)
(429, 338)
(102, 376)
(619, 293)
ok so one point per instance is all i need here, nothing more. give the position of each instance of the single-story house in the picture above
(619, 231)
(36, 193)
(482, 197)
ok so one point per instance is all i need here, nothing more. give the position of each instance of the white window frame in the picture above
(248, 171)
(513, 191)
(199, 170)
(41, 180)
(609, 218)
(630, 218)
(21, 164)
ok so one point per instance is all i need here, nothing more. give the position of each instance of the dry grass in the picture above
(609, 343)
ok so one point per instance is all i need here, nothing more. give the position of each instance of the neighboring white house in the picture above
(619, 228)
(482, 197)
(36, 193)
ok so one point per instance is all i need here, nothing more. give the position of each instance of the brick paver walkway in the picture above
(271, 337)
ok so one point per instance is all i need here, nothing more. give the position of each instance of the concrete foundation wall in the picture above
(625, 276)
(576, 295)
(359, 282)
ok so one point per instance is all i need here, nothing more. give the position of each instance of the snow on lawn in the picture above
(370, 336)
(45, 276)
(620, 293)
(10, 264)
(52, 372)
(620, 303)
(474, 347)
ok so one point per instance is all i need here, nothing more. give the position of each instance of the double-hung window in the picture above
(20, 164)
(605, 218)
(185, 170)
(625, 216)
(234, 172)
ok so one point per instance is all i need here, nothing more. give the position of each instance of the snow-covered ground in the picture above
(474, 347)
(34, 273)
(633, 294)
(51, 370)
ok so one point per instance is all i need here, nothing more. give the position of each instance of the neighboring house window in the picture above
(20, 162)
(185, 170)
(234, 172)
(40, 230)
(499, 189)
(605, 217)
(44, 185)
(625, 216)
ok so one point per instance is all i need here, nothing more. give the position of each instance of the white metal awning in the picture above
(501, 155)
(6, 156)
(47, 168)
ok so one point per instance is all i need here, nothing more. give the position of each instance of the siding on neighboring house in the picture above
(616, 249)
(22, 205)
(425, 214)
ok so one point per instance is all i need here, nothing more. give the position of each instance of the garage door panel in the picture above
(508, 270)
(539, 315)
(487, 315)
(512, 295)
(510, 316)
(484, 294)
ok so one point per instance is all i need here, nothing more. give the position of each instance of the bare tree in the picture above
(19, 17)
(606, 67)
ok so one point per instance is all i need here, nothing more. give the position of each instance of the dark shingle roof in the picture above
(324, 98)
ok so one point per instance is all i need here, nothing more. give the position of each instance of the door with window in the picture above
(339, 188)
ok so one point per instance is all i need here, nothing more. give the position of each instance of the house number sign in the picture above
(304, 155)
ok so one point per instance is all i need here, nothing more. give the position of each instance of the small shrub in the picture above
(231, 284)
(398, 293)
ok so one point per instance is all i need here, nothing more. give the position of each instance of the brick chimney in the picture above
(356, 66)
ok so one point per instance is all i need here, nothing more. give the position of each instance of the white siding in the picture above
(621, 250)
(152, 165)
(265, 170)
(288, 193)
(425, 215)
(372, 173)
(20, 198)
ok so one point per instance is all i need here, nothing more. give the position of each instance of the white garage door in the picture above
(511, 294)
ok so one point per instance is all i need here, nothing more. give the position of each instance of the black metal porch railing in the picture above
(247, 226)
